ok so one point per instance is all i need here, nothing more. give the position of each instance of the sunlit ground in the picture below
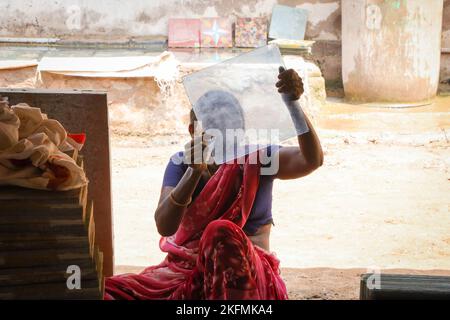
(381, 200)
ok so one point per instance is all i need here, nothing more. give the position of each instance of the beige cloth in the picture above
(111, 67)
(9, 126)
(39, 143)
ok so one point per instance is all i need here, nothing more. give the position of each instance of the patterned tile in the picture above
(216, 33)
(251, 32)
(184, 33)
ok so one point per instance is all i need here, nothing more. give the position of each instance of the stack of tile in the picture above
(287, 27)
(294, 47)
(47, 242)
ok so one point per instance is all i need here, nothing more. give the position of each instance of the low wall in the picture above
(136, 105)
(115, 20)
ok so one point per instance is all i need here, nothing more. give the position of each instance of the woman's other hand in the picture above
(290, 83)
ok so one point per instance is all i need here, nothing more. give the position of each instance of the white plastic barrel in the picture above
(391, 49)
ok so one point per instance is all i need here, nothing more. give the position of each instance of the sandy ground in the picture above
(381, 200)
(322, 283)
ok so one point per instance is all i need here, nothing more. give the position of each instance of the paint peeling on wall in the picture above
(117, 19)
(319, 12)
(446, 25)
(391, 50)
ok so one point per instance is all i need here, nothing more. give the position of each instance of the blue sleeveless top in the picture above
(261, 213)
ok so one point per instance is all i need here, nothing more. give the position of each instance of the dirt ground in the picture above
(322, 283)
(381, 200)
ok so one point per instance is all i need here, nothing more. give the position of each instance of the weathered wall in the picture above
(446, 25)
(138, 18)
(391, 49)
(445, 61)
(109, 20)
(136, 105)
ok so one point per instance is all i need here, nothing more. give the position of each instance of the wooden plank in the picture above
(82, 111)
(36, 236)
(49, 228)
(91, 230)
(86, 266)
(400, 287)
(15, 213)
(44, 276)
(18, 259)
(88, 214)
(67, 243)
(24, 197)
(51, 291)
(98, 258)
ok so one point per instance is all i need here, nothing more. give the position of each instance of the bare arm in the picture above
(173, 201)
(168, 215)
(296, 162)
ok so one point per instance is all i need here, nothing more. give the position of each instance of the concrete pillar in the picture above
(391, 49)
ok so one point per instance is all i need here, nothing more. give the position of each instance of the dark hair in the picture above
(219, 110)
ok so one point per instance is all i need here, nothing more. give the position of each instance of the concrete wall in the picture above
(109, 20)
(445, 60)
(391, 49)
(137, 105)
(117, 19)
(446, 25)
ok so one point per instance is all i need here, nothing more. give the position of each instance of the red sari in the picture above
(210, 257)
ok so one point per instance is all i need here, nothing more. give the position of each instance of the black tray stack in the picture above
(405, 287)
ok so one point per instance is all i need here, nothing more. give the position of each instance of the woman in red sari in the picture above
(215, 223)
